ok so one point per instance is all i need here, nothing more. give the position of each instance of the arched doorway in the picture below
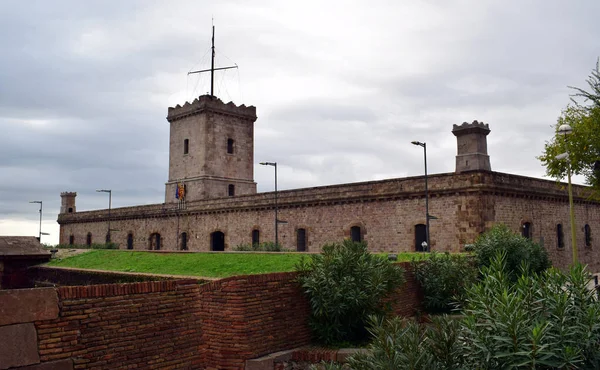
(184, 239)
(301, 240)
(154, 242)
(420, 237)
(355, 234)
(217, 241)
(130, 241)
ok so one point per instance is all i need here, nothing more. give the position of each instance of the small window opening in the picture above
(88, 239)
(70, 210)
(71, 239)
(230, 143)
(355, 234)
(588, 235)
(186, 146)
(231, 190)
(255, 237)
(184, 239)
(560, 237)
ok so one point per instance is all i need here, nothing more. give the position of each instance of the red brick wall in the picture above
(149, 325)
(180, 324)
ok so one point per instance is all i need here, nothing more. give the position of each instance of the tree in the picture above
(583, 145)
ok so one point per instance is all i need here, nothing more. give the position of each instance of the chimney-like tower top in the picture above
(471, 144)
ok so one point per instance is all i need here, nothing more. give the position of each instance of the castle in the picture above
(211, 203)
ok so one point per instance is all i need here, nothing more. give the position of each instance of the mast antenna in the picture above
(212, 66)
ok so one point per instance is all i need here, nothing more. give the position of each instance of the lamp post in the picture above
(427, 217)
(274, 164)
(109, 206)
(40, 234)
(564, 131)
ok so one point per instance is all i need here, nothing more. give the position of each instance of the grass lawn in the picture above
(216, 265)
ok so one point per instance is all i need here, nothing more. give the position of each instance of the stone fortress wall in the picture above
(388, 214)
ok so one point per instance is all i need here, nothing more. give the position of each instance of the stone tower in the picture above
(472, 146)
(211, 149)
(67, 202)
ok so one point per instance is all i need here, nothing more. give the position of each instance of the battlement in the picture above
(470, 128)
(207, 103)
(68, 194)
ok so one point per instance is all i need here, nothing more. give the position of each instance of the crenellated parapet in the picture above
(207, 103)
(469, 128)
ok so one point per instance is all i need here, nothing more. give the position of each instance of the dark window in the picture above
(355, 234)
(71, 240)
(217, 241)
(420, 237)
(526, 230)
(560, 237)
(588, 235)
(186, 146)
(88, 239)
(70, 209)
(230, 146)
(231, 190)
(130, 241)
(154, 242)
(184, 239)
(255, 237)
(301, 240)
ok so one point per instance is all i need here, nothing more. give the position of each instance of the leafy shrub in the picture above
(540, 321)
(518, 249)
(345, 284)
(85, 246)
(400, 344)
(262, 247)
(444, 278)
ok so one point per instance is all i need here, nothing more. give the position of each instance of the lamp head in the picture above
(418, 143)
(268, 163)
(36, 201)
(564, 130)
(103, 191)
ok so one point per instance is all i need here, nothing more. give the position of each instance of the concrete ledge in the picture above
(27, 305)
(302, 354)
(66, 364)
(18, 346)
(267, 362)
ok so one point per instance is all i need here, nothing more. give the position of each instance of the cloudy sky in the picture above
(341, 89)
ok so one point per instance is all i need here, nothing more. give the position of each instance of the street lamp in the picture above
(564, 131)
(274, 164)
(109, 206)
(427, 217)
(40, 202)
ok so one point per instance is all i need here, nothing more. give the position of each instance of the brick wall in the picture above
(161, 325)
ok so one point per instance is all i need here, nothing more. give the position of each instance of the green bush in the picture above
(400, 344)
(444, 278)
(345, 284)
(91, 246)
(518, 250)
(262, 247)
(540, 321)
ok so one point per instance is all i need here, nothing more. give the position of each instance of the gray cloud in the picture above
(341, 88)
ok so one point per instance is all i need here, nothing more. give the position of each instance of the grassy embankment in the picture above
(216, 265)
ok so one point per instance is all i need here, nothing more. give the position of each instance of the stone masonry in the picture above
(387, 213)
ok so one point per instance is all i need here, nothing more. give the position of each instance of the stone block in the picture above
(27, 305)
(18, 346)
